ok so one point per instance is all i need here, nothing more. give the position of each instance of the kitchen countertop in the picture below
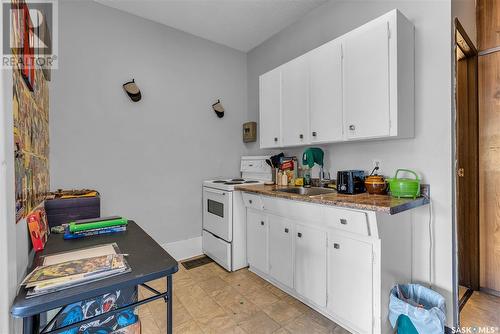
(364, 201)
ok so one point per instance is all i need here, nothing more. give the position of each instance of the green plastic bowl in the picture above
(404, 187)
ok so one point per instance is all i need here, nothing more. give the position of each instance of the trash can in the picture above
(415, 309)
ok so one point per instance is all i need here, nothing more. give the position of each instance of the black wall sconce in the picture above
(218, 108)
(132, 90)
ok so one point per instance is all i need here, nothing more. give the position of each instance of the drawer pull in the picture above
(275, 138)
(352, 127)
(250, 201)
(262, 223)
(299, 235)
(343, 221)
(301, 136)
(314, 133)
(286, 230)
(336, 246)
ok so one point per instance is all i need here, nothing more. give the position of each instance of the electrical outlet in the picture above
(377, 163)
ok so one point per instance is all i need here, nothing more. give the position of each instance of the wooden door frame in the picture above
(463, 42)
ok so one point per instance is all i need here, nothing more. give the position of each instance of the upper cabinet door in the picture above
(325, 82)
(295, 97)
(366, 82)
(270, 109)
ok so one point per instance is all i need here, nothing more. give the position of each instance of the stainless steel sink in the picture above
(313, 191)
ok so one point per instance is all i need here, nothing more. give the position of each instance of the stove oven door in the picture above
(218, 213)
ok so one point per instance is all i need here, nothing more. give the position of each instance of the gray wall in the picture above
(147, 159)
(429, 153)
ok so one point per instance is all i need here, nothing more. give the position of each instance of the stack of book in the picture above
(87, 227)
(78, 270)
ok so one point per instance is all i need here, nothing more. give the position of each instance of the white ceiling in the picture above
(240, 24)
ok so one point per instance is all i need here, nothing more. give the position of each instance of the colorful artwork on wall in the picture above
(31, 134)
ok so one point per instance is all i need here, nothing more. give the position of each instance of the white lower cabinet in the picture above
(310, 263)
(350, 277)
(331, 258)
(257, 232)
(281, 250)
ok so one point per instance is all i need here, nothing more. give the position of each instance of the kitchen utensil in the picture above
(404, 187)
(275, 159)
(375, 184)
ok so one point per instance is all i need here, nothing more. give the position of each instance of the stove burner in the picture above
(219, 181)
(237, 180)
(251, 181)
(233, 182)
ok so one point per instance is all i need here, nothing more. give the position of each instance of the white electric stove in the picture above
(224, 229)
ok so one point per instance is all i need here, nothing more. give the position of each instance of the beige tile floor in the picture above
(208, 299)
(481, 310)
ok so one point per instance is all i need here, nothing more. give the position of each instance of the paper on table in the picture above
(108, 249)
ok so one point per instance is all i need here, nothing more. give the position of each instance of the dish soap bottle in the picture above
(307, 177)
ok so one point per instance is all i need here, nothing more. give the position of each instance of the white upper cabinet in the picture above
(295, 102)
(270, 109)
(325, 90)
(366, 82)
(359, 86)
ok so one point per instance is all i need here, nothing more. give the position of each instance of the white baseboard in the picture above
(184, 249)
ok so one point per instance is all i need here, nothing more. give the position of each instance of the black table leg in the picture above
(31, 324)
(169, 304)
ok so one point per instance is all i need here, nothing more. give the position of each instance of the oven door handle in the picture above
(214, 191)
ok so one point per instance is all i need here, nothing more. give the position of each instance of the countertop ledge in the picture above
(364, 201)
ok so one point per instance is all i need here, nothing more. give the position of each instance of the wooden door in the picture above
(257, 240)
(310, 264)
(325, 89)
(488, 28)
(467, 161)
(366, 82)
(281, 250)
(488, 24)
(270, 109)
(295, 95)
(350, 279)
(489, 169)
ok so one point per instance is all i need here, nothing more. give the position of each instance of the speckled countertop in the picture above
(365, 201)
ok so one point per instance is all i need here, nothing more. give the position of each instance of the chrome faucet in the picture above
(322, 178)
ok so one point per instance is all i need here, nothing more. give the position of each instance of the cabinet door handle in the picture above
(314, 134)
(286, 230)
(299, 235)
(301, 136)
(352, 127)
(262, 223)
(343, 221)
(275, 138)
(250, 201)
(336, 246)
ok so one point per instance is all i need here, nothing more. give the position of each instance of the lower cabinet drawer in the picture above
(217, 249)
(253, 201)
(347, 220)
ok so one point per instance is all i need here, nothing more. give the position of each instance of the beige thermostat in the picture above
(249, 132)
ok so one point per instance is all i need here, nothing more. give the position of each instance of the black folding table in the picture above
(147, 259)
